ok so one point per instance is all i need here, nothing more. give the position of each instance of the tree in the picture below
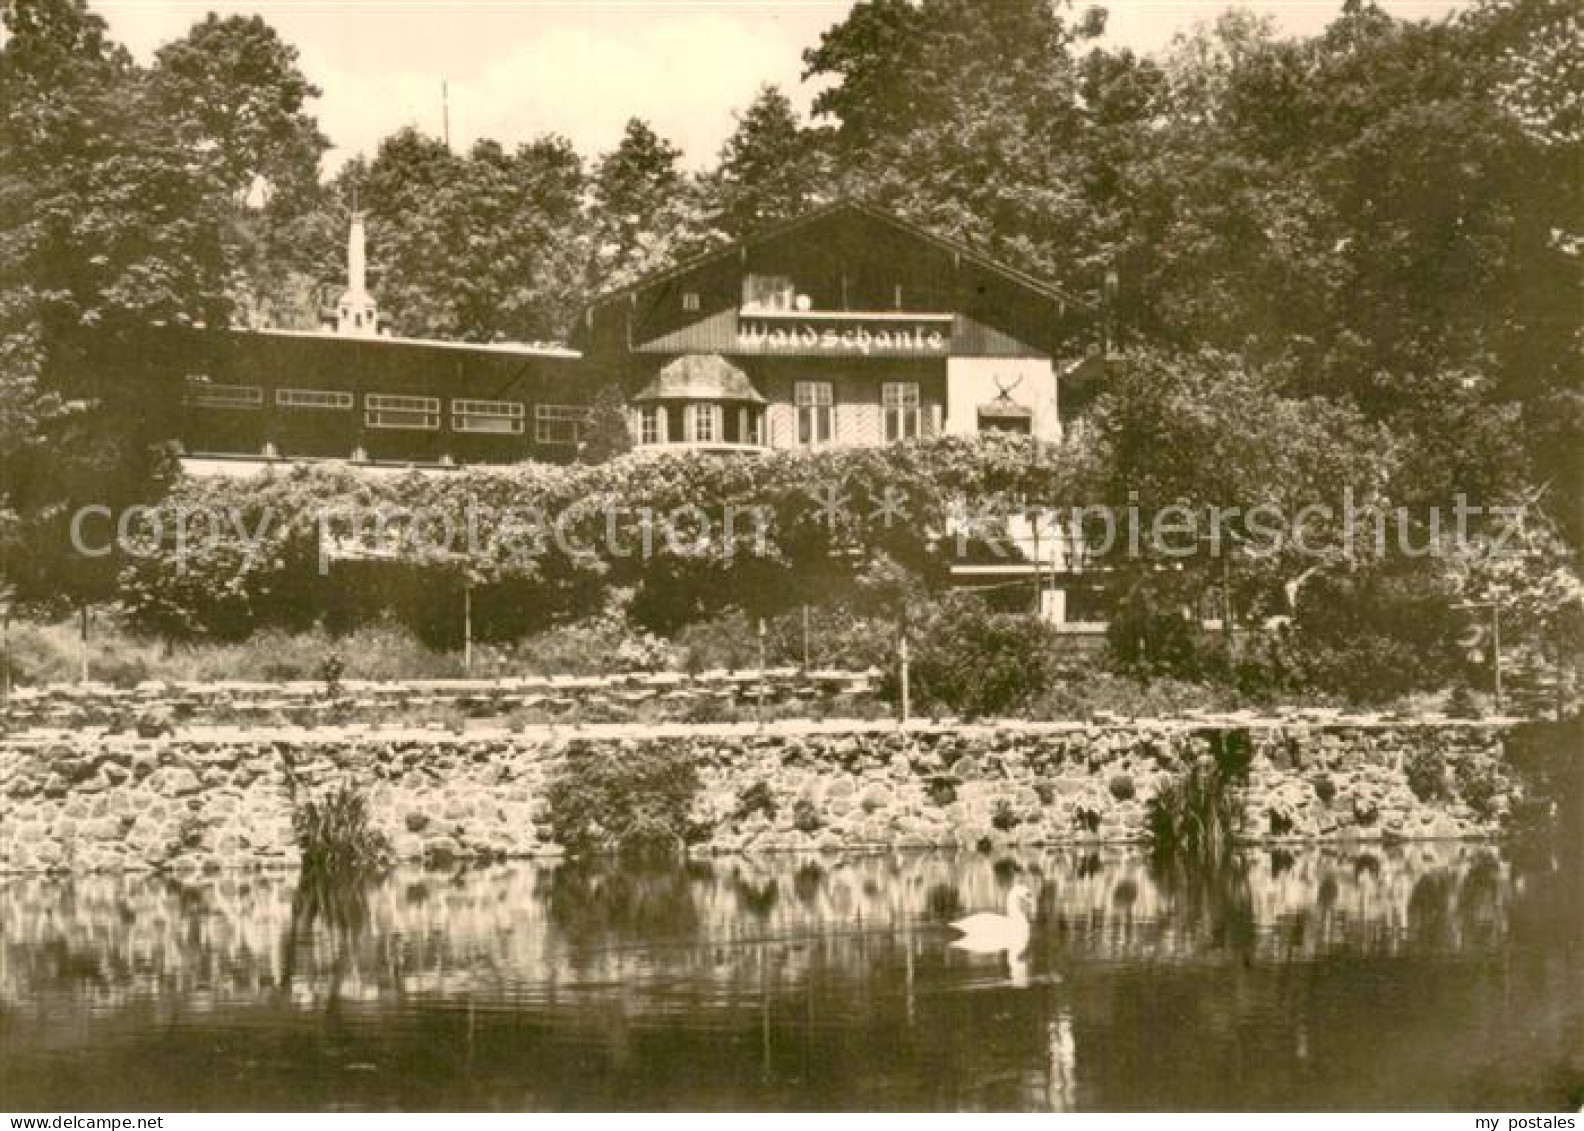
(608, 434)
(964, 117)
(1219, 467)
(644, 212)
(769, 168)
(108, 225)
(235, 95)
(1416, 236)
(236, 100)
(485, 246)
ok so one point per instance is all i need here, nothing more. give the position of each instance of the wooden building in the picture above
(274, 395)
(846, 326)
(355, 392)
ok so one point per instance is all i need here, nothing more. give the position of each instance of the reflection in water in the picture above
(1442, 976)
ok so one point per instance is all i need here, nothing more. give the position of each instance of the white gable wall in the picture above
(975, 381)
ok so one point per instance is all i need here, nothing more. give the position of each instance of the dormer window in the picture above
(768, 292)
(690, 301)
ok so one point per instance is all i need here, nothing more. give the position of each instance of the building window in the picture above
(750, 426)
(312, 398)
(768, 292)
(487, 416)
(559, 423)
(652, 424)
(690, 300)
(815, 411)
(1006, 418)
(381, 410)
(901, 402)
(704, 423)
(205, 394)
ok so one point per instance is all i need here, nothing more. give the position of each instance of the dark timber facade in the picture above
(844, 327)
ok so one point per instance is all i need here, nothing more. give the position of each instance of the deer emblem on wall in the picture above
(1004, 391)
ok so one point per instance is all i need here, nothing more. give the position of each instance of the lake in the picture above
(1436, 976)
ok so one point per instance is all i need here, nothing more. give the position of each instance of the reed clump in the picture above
(334, 831)
(1196, 818)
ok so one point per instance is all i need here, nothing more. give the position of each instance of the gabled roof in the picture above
(856, 207)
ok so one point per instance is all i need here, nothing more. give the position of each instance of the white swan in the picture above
(987, 932)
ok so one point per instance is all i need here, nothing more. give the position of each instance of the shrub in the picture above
(1479, 781)
(981, 663)
(838, 636)
(591, 646)
(1425, 770)
(636, 802)
(1004, 816)
(1143, 638)
(729, 641)
(1462, 703)
(1086, 817)
(1090, 691)
(757, 798)
(1233, 752)
(805, 816)
(330, 671)
(1375, 637)
(1121, 787)
(1325, 789)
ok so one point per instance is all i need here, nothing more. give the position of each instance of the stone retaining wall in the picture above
(85, 802)
(160, 705)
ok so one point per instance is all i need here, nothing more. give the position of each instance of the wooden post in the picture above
(902, 656)
(805, 637)
(5, 655)
(1496, 663)
(1039, 581)
(1226, 602)
(82, 637)
(759, 705)
(467, 626)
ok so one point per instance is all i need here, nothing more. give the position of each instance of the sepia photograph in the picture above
(778, 556)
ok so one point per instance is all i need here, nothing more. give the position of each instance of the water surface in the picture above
(1445, 976)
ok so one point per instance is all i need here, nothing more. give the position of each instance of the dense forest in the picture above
(1357, 250)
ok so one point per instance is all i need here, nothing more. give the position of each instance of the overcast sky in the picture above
(518, 68)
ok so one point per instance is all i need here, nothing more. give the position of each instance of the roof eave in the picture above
(980, 259)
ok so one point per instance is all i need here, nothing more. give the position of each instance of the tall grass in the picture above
(1195, 819)
(1194, 822)
(335, 835)
(51, 653)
